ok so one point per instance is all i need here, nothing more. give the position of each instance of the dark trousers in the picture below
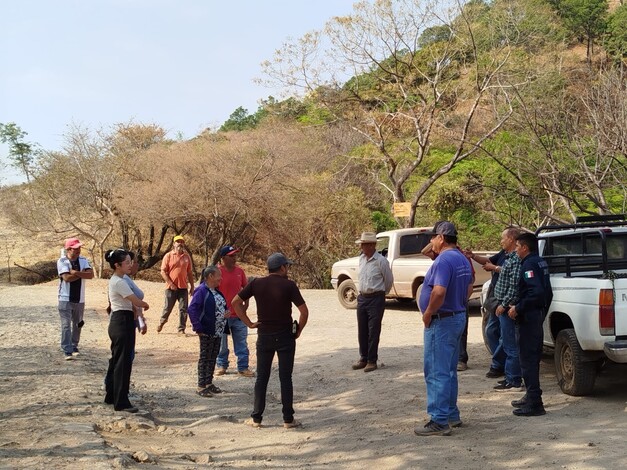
(530, 349)
(118, 379)
(369, 316)
(463, 343)
(209, 349)
(171, 296)
(284, 345)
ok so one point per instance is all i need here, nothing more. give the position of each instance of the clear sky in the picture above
(182, 64)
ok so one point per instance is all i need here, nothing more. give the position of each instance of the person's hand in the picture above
(143, 329)
(191, 290)
(512, 312)
(500, 310)
(489, 267)
(426, 319)
(255, 324)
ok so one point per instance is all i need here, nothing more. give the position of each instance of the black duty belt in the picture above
(372, 294)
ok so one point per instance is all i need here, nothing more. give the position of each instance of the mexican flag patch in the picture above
(528, 274)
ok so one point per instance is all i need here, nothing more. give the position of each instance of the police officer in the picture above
(535, 295)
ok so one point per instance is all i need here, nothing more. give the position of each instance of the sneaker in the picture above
(213, 389)
(245, 373)
(160, 327)
(75, 352)
(501, 382)
(181, 333)
(359, 365)
(462, 366)
(520, 403)
(370, 367)
(68, 356)
(507, 387)
(433, 429)
(220, 371)
(530, 410)
(252, 423)
(494, 373)
(294, 424)
(456, 423)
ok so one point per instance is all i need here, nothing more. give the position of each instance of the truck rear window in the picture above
(413, 244)
(585, 252)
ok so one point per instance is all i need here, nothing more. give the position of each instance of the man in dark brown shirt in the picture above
(274, 296)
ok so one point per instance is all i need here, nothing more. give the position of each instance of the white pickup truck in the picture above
(586, 323)
(402, 248)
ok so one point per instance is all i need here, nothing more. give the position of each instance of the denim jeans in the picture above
(239, 333)
(284, 345)
(441, 351)
(369, 317)
(493, 335)
(118, 379)
(510, 347)
(171, 296)
(530, 347)
(71, 314)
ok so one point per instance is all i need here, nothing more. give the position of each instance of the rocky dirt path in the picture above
(52, 415)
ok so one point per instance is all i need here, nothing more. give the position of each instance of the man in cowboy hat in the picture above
(375, 281)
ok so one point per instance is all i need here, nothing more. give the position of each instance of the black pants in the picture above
(463, 343)
(209, 349)
(530, 350)
(369, 317)
(171, 296)
(118, 380)
(284, 345)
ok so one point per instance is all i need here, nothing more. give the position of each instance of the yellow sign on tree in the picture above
(401, 209)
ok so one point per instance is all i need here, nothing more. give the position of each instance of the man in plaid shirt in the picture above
(506, 292)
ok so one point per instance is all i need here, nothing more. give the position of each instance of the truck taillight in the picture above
(606, 312)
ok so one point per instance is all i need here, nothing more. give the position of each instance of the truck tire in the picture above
(575, 375)
(347, 294)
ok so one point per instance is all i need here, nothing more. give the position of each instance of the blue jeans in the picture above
(513, 375)
(493, 335)
(71, 314)
(441, 351)
(239, 333)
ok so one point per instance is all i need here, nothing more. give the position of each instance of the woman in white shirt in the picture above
(121, 331)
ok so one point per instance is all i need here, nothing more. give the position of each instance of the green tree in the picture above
(615, 40)
(585, 18)
(240, 120)
(21, 153)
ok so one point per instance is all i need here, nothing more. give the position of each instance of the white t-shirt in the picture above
(118, 291)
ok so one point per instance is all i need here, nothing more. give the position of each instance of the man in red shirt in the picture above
(176, 271)
(233, 280)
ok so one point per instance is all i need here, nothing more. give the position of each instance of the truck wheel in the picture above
(347, 294)
(575, 375)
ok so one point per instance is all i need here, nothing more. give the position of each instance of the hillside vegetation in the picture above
(487, 113)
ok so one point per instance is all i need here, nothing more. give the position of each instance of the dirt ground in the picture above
(52, 413)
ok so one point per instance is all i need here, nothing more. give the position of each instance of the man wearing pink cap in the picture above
(73, 270)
